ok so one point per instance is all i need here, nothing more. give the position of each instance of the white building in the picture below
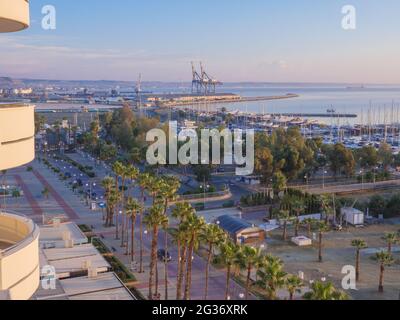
(19, 236)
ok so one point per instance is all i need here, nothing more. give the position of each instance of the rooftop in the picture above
(70, 261)
(106, 286)
(233, 224)
(55, 235)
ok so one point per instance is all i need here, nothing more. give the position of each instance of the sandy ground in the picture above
(338, 253)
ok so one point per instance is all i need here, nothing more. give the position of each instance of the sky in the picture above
(237, 40)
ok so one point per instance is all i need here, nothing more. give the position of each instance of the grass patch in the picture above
(117, 266)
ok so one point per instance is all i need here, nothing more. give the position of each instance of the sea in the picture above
(375, 104)
(369, 103)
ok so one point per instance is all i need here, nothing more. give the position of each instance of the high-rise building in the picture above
(19, 236)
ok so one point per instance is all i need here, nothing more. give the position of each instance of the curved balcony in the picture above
(14, 15)
(19, 256)
(17, 130)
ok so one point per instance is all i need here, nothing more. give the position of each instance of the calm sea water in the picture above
(320, 98)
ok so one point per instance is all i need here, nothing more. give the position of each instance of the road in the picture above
(84, 215)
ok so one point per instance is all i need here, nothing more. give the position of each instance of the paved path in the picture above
(37, 210)
(64, 205)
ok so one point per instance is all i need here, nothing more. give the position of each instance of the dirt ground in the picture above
(338, 253)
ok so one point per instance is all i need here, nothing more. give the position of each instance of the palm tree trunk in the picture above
(181, 273)
(309, 230)
(381, 278)
(123, 213)
(358, 265)
(178, 245)
(291, 296)
(156, 293)
(153, 260)
(116, 226)
(320, 247)
(166, 265)
(133, 238)
(126, 239)
(228, 280)
(141, 235)
(390, 248)
(210, 247)
(116, 216)
(189, 270)
(248, 281)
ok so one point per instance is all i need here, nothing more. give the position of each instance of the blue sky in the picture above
(238, 40)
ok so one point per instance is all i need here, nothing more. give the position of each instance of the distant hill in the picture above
(7, 82)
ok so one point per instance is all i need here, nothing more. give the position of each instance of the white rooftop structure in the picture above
(75, 261)
(106, 286)
(61, 235)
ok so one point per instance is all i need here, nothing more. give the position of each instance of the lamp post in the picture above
(205, 188)
(324, 172)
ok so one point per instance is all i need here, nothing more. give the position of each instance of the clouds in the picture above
(31, 57)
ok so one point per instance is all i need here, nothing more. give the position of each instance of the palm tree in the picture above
(293, 284)
(154, 187)
(326, 204)
(250, 255)
(325, 291)
(322, 227)
(154, 220)
(132, 207)
(181, 240)
(309, 222)
(193, 226)
(143, 181)
(118, 169)
(359, 245)
(385, 259)
(124, 174)
(391, 238)
(113, 199)
(181, 212)
(168, 192)
(272, 276)
(132, 174)
(108, 185)
(228, 254)
(284, 216)
(212, 235)
(239, 262)
(298, 207)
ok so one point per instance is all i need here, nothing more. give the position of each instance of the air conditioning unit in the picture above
(69, 244)
(93, 273)
(86, 265)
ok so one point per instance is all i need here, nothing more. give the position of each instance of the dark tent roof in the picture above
(233, 224)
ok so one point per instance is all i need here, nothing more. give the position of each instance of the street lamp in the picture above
(362, 179)
(324, 172)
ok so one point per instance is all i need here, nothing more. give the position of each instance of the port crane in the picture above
(203, 83)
